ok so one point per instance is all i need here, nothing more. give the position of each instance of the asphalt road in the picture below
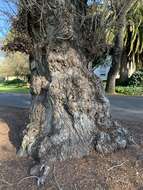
(127, 107)
(14, 100)
(121, 106)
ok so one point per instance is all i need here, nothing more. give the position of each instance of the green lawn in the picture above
(130, 91)
(13, 89)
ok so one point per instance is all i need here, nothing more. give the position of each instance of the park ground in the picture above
(13, 89)
(122, 170)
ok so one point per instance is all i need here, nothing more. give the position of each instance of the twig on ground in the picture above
(119, 165)
(76, 187)
(25, 178)
(56, 182)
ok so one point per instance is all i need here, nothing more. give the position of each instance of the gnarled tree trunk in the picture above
(70, 115)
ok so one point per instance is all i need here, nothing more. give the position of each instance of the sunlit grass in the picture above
(130, 90)
(13, 89)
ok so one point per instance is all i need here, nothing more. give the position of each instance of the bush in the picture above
(136, 79)
(15, 82)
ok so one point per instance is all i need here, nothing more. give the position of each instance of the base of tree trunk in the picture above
(70, 115)
(111, 84)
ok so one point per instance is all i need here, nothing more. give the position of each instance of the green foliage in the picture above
(133, 40)
(130, 90)
(15, 64)
(136, 79)
(15, 82)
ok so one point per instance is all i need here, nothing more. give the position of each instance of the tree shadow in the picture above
(16, 119)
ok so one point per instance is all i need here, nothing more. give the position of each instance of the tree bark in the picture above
(121, 12)
(124, 70)
(116, 56)
(70, 115)
(126, 61)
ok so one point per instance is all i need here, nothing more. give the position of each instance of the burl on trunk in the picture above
(70, 115)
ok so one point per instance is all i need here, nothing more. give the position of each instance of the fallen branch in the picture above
(25, 178)
(119, 165)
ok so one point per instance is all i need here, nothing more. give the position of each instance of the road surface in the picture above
(14, 100)
(124, 107)
(121, 106)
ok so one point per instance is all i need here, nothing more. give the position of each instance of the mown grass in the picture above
(23, 89)
(13, 89)
(130, 90)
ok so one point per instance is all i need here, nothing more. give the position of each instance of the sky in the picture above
(7, 9)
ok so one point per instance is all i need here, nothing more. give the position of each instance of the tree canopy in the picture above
(14, 64)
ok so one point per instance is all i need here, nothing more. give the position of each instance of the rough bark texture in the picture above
(70, 115)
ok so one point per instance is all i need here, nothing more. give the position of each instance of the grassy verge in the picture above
(130, 90)
(13, 89)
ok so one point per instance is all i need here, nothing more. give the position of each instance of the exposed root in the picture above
(42, 172)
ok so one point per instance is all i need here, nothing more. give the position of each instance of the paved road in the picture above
(121, 106)
(14, 100)
(127, 107)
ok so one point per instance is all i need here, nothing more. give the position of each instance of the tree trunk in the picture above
(121, 11)
(116, 56)
(70, 115)
(124, 69)
(126, 61)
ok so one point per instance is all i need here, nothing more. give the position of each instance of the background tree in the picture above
(133, 47)
(121, 9)
(15, 64)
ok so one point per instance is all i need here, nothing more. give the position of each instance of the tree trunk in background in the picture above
(70, 115)
(124, 70)
(127, 62)
(121, 12)
(116, 56)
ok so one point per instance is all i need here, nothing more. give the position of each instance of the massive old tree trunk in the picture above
(70, 115)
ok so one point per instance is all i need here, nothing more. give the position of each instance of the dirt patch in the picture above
(119, 171)
(7, 150)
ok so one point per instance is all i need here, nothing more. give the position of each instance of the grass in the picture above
(130, 90)
(13, 89)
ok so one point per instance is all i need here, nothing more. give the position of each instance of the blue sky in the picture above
(7, 9)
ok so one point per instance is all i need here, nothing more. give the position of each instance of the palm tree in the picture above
(121, 8)
(133, 38)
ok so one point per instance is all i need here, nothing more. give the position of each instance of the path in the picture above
(122, 107)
